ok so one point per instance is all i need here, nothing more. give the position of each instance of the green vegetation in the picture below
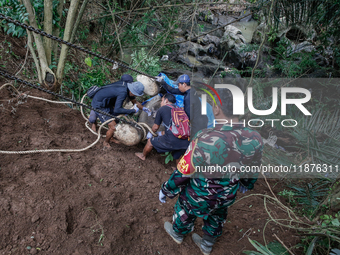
(145, 63)
(293, 65)
(77, 85)
(168, 157)
(15, 10)
(273, 248)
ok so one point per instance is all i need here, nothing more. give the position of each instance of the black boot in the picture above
(205, 244)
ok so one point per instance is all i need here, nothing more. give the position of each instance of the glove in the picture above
(162, 197)
(159, 133)
(243, 189)
(149, 135)
(147, 110)
(135, 107)
(159, 79)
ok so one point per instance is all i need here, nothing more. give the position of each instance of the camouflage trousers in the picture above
(184, 219)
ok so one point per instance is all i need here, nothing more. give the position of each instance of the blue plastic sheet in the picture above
(179, 98)
(160, 94)
(210, 115)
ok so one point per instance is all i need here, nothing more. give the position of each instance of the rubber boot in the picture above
(178, 238)
(205, 244)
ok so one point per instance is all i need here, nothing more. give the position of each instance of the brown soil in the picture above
(61, 203)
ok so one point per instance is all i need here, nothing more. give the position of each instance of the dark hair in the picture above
(127, 78)
(171, 98)
(226, 95)
(227, 101)
(187, 83)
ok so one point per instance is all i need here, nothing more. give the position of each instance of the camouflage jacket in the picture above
(222, 145)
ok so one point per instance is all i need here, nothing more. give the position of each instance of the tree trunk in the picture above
(35, 59)
(48, 12)
(67, 35)
(56, 31)
(80, 15)
(117, 33)
(48, 77)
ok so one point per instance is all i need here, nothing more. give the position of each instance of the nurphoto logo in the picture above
(239, 105)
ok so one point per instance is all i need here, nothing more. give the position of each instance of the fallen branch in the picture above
(283, 244)
(24, 61)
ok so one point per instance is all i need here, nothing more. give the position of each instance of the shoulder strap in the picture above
(171, 106)
(114, 85)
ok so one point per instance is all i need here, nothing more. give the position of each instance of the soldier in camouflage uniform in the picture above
(208, 195)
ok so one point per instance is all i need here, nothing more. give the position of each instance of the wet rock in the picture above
(206, 16)
(208, 60)
(179, 32)
(233, 43)
(258, 33)
(321, 61)
(204, 64)
(195, 55)
(208, 39)
(301, 47)
(209, 70)
(196, 49)
(222, 20)
(233, 34)
(246, 19)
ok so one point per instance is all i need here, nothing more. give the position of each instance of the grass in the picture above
(97, 228)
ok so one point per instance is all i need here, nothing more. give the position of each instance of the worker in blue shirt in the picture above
(197, 120)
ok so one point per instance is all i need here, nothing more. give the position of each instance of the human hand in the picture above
(147, 110)
(162, 197)
(159, 79)
(149, 135)
(135, 107)
(243, 189)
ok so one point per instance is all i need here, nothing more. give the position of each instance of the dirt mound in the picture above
(97, 201)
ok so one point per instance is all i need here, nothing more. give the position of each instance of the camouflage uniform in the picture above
(206, 197)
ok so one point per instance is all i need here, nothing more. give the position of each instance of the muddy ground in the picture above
(98, 201)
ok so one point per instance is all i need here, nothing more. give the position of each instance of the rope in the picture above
(59, 150)
(56, 150)
(47, 100)
(43, 33)
(51, 150)
(26, 95)
(143, 126)
(9, 76)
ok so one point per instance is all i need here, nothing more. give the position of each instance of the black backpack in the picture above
(92, 91)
